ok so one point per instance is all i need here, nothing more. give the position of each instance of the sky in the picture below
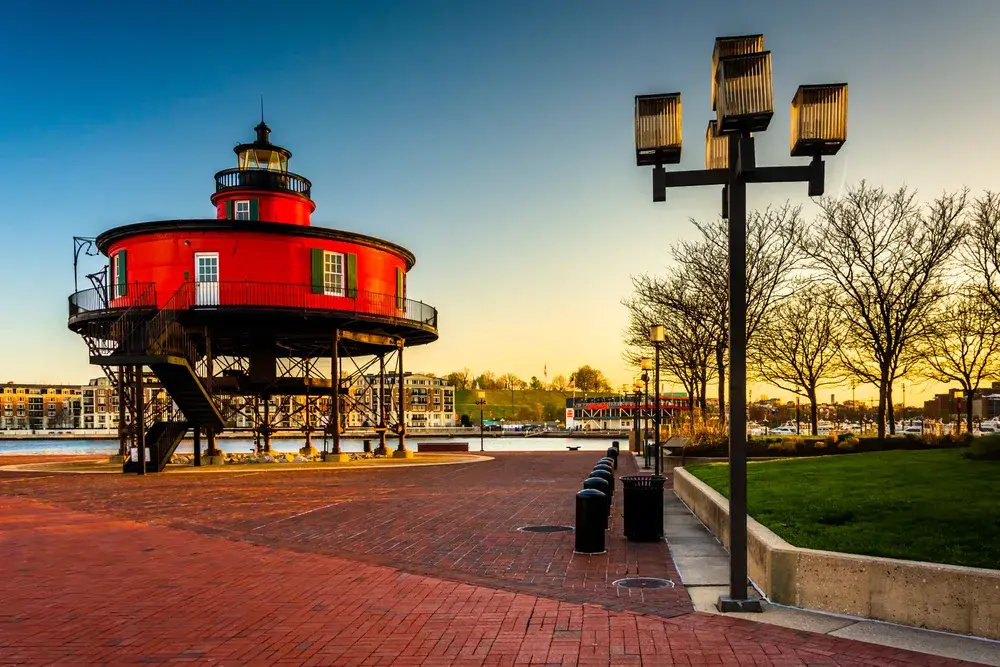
(494, 140)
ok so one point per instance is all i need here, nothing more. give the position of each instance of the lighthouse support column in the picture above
(401, 451)
(212, 453)
(382, 449)
(335, 406)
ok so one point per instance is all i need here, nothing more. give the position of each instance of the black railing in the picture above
(285, 296)
(257, 295)
(114, 297)
(263, 179)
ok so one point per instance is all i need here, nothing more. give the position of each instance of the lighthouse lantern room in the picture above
(254, 309)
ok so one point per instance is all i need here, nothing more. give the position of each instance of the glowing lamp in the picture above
(744, 98)
(646, 364)
(657, 129)
(739, 45)
(657, 333)
(819, 119)
(716, 148)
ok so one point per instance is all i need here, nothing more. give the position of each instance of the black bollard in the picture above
(601, 484)
(614, 443)
(368, 446)
(610, 479)
(605, 464)
(613, 455)
(607, 459)
(590, 522)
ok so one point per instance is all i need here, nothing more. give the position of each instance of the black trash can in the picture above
(368, 446)
(642, 501)
(590, 520)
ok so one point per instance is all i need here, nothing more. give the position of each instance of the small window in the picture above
(333, 273)
(242, 209)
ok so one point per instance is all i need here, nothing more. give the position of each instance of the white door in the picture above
(206, 279)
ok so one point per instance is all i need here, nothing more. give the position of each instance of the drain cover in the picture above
(643, 582)
(546, 529)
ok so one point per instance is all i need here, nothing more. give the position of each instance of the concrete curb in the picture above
(963, 600)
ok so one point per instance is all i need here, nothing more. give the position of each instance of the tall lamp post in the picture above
(637, 388)
(481, 402)
(743, 99)
(656, 336)
(646, 364)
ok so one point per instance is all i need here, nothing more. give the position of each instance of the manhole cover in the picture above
(643, 582)
(546, 529)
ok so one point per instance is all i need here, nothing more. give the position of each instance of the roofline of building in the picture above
(106, 238)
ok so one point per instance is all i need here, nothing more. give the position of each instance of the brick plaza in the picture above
(403, 566)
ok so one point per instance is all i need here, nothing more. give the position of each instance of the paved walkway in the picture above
(405, 567)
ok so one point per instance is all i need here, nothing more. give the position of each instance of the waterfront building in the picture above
(39, 406)
(617, 412)
(429, 401)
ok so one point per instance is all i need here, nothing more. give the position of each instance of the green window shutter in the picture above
(352, 275)
(229, 210)
(122, 274)
(399, 288)
(317, 270)
(254, 210)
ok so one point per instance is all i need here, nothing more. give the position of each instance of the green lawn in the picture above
(919, 505)
(498, 403)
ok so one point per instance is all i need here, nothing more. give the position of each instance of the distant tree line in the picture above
(878, 287)
(585, 379)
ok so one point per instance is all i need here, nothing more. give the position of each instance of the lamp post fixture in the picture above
(656, 336)
(637, 388)
(481, 401)
(743, 99)
(646, 364)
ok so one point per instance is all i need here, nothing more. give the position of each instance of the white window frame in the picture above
(334, 283)
(239, 214)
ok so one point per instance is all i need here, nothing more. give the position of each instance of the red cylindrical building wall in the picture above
(275, 260)
(271, 206)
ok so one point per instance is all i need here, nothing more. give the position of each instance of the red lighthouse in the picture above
(230, 312)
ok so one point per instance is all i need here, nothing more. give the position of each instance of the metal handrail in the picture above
(142, 295)
(277, 296)
(265, 179)
(291, 296)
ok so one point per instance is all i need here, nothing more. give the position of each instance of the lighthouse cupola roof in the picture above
(262, 154)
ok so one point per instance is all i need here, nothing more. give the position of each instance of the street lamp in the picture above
(743, 99)
(656, 336)
(637, 388)
(481, 402)
(646, 364)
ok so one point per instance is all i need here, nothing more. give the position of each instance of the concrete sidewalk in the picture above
(703, 565)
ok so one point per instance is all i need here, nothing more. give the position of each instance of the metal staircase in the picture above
(161, 440)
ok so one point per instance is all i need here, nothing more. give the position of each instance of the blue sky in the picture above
(492, 139)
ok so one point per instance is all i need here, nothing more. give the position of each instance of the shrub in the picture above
(819, 445)
(782, 446)
(985, 448)
(848, 444)
(831, 440)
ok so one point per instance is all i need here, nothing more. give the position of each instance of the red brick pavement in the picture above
(456, 522)
(85, 589)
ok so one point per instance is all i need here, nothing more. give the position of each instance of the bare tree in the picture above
(982, 246)
(797, 346)
(963, 346)
(773, 241)
(887, 256)
(689, 334)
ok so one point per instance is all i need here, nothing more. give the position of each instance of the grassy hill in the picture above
(498, 404)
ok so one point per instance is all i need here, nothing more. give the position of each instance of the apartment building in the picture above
(99, 403)
(428, 402)
(38, 406)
